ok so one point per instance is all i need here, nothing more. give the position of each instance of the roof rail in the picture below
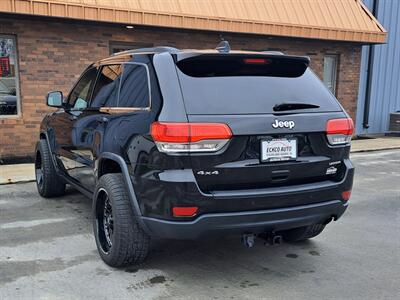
(150, 49)
(273, 52)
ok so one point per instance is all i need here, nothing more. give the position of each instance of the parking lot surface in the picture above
(47, 251)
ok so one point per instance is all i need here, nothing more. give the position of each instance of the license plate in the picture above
(278, 149)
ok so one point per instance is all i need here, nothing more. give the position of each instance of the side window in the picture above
(106, 90)
(79, 96)
(134, 87)
(330, 72)
(124, 85)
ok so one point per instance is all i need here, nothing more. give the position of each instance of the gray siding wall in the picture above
(385, 87)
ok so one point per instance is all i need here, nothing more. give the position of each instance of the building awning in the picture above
(341, 20)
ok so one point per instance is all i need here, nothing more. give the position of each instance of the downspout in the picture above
(367, 100)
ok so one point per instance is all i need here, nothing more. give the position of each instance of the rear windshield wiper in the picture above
(293, 106)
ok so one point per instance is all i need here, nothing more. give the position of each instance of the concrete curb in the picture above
(16, 173)
(377, 144)
(373, 150)
(16, 181)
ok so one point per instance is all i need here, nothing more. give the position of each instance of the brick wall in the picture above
(52, 54)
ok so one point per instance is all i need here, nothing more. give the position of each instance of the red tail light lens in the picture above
(170, 132)
(189, 132)
(190, 137)
(346, 195)
(339, 131)
(340, 126)
(184, 211)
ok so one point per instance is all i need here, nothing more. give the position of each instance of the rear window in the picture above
(232, 84)
(226, 66)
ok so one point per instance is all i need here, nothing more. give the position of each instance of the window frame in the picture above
(110, 109)
(67, 99)
(335, 57)
(18, 115)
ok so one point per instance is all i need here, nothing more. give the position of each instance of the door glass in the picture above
(124, 85)
(106, 90)
(79, 96)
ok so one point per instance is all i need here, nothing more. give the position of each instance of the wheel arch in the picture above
(44, 136)
(107, 165)
(115, 161)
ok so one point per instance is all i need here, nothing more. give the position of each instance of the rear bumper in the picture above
(241, 211)
(246, 222)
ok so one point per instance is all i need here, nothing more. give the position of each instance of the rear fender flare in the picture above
(128, 183)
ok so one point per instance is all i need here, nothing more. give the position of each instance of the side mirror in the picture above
(55, 99)
(13, 92)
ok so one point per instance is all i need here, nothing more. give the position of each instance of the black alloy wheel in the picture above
(105, 221)
(39, 170)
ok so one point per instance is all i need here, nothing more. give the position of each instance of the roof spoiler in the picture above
(273, 54)
(242, 64)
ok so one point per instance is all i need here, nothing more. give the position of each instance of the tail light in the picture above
(346, 195)
(190, 137)
(339, 131)
(184, 211)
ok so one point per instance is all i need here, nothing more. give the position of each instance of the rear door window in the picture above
(242, 84)
(106, 90)
(122, 85)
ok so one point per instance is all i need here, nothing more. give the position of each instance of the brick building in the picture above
(45, 44)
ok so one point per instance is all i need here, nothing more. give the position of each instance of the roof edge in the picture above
(375, 20)
(51, 8)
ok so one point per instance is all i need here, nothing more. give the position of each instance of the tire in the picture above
(48, 183)
(119, 237)
(302, 233)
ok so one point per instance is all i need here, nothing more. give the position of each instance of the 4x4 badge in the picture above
(283, 124)
(207, 173)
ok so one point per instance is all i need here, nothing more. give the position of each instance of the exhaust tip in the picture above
(248, 240)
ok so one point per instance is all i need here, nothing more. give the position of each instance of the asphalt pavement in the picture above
(47, 251)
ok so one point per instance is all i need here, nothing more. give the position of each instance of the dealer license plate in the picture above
(278, 149)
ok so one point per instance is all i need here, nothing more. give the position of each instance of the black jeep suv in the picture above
(185, 144)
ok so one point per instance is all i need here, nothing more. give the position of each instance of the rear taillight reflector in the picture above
(346, 195)
(184, 211)
(190, 137)
(339, 131)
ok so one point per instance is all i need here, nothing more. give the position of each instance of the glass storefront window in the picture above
(9, 91)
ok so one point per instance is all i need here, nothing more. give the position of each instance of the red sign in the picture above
(4, 66)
